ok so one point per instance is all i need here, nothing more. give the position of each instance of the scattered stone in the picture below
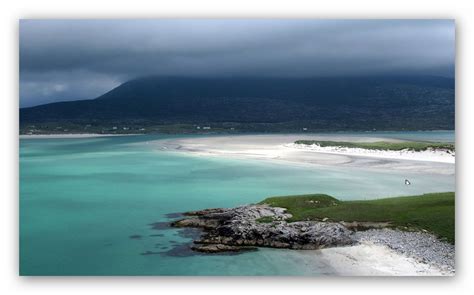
(421, 246)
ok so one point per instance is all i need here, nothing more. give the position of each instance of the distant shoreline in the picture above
(214, 133)
(71, 135)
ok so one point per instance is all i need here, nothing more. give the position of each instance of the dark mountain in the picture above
(322, 103)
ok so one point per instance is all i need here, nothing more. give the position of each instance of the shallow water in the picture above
(86, 205)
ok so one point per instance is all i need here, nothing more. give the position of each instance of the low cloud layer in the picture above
(81, 59)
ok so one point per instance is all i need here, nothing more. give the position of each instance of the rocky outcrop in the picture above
(251, 226)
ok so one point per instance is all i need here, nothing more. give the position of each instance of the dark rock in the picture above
(195, 222)
(217, 248)
(229, 230)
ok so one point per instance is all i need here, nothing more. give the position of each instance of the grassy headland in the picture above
(382, 145)
(432, 212)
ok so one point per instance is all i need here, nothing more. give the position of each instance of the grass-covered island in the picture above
(383, 145)
(415, 227)
(429, 212)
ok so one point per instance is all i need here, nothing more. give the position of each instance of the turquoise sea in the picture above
(86, 205)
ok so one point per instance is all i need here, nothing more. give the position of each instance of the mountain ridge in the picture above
(361, 102)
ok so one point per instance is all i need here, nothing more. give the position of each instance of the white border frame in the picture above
(11, 283)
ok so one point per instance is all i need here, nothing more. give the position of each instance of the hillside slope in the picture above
(326, 103)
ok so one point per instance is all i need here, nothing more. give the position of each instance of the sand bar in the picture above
(281, 148)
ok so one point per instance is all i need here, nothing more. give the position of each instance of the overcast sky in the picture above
(82, 59)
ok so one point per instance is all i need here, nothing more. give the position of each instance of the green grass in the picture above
(265, 219)
(432, 212)
(382, 145)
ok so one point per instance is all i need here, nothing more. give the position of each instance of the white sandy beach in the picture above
(428, 155)
(282, 148)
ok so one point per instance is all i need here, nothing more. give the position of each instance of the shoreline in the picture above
(374, 251)
(71, 135)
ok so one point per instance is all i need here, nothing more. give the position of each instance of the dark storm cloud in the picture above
(76, 59)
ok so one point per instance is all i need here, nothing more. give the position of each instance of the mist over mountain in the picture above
(63, 60)
(338, 103)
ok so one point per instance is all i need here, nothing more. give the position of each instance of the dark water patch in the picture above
(135, 237)
(190, 233)
(150, 253)
(185, 250)
(157, 235)
(160, 225)
(173, 215)
(232, 253)
(181, 250)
